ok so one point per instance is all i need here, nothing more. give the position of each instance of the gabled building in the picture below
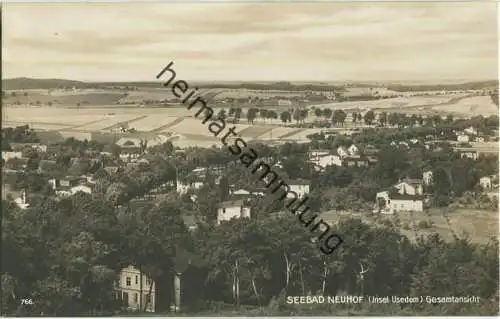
(71, 185)
(488, 182)
(230, 209)
(353, 150)
(299, 186)
(136, 290)
(6, 156)
(392, 201)
(22, 200)
(427, 177)
(471, 130)
(410, 187)
(462, 138)
(342, 152)
(322, 159)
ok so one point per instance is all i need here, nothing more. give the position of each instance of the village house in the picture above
(70, 185)
(410, 187)
(17, 164)
(427, 177)
(299, 186)
(470, 130)
(392, 201)
(22, 200)
(131, 148)
(6, 156)
(355, 160)
(322, 159)
(468, 153)
(487, 182)
(462, 138)
(20, 146)
(230, 209)
(47, 166)
(136, 290)
(353, 150)
(342, 152)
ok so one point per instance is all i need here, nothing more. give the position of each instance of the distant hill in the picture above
(29, 84)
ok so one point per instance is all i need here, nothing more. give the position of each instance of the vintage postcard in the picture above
(243, 158)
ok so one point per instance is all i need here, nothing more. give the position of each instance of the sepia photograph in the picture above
(250, 159)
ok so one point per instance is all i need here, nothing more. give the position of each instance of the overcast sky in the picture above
(252, 41)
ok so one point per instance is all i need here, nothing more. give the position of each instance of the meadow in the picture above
(479, 225)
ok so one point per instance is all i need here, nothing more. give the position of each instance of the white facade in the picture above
(22, 201)
(485, 182)
(183, 188)
(407, 205)
(342, 152)
(353, 150)
(81, 188)
(471, 130)
(228, 212)
(463, 138)
(326, 160)
(136, 290)
(427, 177)
(470, 155)
(300, 189)
(9, 155)
(388, 205)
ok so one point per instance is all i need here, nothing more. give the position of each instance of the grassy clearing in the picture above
(479, 225)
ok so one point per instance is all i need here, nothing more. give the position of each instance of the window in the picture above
(136, 280)
(223, 210)
(129, 281)
(125, 297)
(136, 298)
(148, 298)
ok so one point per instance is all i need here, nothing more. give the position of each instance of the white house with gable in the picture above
(299, 186)
(136, 290)
(427, 177)
(342, 152)
(230, 209)
(353, 150)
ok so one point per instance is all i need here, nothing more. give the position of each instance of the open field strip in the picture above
(37, 125)
(277, 133)
(480, 225)
(255, 131)
(107, 122)
(245, 93)
(476, 105)
(398, 102)
(152, 122)
(302, 135)
(166, 127)
(143, 95)
(291, 132)
(126, 123)
(190, 126)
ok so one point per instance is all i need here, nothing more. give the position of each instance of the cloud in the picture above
(252, 41)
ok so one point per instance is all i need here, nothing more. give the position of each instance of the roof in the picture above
(231, 203)
(299, 182)
(412, 181)
(398, 196)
